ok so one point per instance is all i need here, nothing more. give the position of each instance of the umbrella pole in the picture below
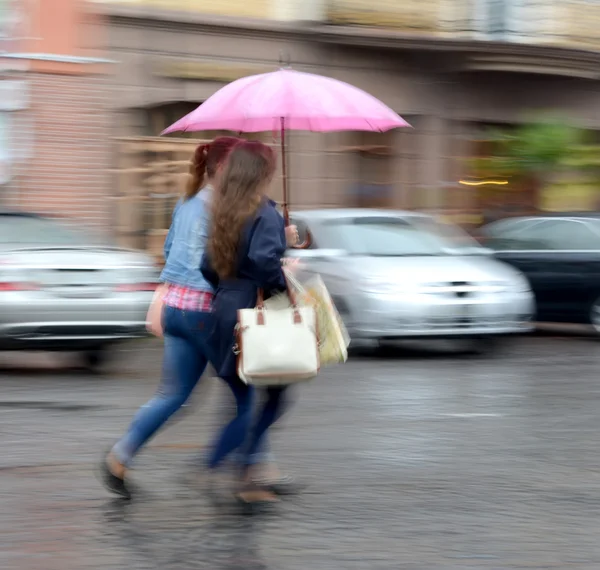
(286, 213)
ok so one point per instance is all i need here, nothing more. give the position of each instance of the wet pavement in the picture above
(413, 461)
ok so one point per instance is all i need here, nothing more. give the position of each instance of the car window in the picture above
(502, 226)
(25, 231)
(594, 226)
(549, 235)
(505, 225)
(570, 235)
(456, 238)
(384, 237)
(519, 235)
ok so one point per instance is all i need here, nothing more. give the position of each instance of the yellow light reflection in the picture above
(484, 182)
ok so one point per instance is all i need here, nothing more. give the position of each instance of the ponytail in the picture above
(195, 180)
(205, 162)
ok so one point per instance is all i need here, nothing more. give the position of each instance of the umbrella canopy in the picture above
(292, 100)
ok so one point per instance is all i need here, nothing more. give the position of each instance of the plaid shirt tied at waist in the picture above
(187, 299)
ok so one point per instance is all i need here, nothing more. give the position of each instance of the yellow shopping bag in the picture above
(333, 336)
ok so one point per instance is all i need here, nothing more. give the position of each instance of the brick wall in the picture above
(68, 127)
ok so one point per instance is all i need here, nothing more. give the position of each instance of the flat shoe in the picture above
(252, 495)
(111, 482)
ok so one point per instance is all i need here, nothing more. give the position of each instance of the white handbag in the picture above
(277, 346)
(333, 336)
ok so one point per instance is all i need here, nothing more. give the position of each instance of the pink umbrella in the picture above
(299, 101)
(288, 99)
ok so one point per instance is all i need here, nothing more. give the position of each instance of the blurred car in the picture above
(60, 291)
(560, 255)
(397, 275)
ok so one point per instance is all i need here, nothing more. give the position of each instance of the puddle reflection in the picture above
(183, 539)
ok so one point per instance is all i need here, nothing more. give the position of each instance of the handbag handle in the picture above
(260, 304)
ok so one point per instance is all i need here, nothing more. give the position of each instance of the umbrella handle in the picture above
(308, 241)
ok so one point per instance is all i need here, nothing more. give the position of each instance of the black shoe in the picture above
(114, 484)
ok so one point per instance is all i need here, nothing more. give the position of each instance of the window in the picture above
(384, 237)
(455, 236)
(374, 177)
(11, 21)
(513, 235)
(160, 117)
(547, 235)
(496, 24)
(502, 227)
(496, 18)
(571, 235)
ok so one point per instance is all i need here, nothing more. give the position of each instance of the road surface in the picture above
(413, 461)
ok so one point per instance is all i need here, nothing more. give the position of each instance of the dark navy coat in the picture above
(261, 248)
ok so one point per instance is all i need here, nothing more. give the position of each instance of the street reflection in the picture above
(219, 540)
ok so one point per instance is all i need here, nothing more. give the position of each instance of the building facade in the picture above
(450, 67)
(106, 76)
(58, 135)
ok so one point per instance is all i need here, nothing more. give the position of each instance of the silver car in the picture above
(397, 275)
(60, 291)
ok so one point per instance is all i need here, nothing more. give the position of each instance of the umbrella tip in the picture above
(284, 60)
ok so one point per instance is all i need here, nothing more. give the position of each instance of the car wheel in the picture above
(595, 315)
(94, 359)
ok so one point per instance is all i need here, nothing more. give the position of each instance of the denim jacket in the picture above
(186, 241)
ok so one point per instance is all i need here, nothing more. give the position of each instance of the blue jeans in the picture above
(185, 357)
(262, 456)
(241, 433)
(256, 448)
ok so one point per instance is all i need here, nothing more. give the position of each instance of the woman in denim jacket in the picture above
(186, 316)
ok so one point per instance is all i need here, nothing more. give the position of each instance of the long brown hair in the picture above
(248, 170)
(205, 161)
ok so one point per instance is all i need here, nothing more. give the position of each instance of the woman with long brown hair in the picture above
(183, 307)
(244, 253)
